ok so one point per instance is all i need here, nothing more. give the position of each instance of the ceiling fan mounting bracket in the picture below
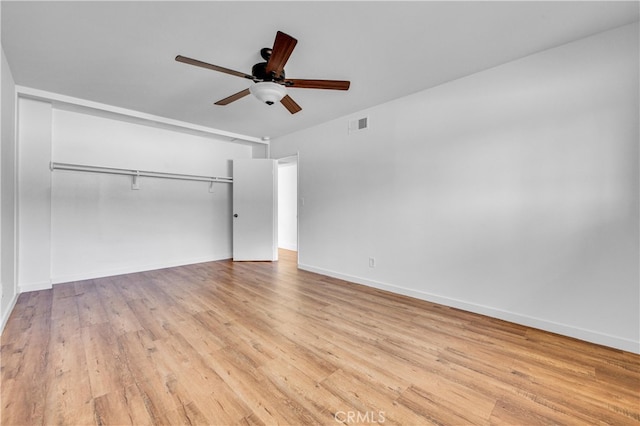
(266, 52)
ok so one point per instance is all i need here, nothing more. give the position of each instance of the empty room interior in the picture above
(318, 212)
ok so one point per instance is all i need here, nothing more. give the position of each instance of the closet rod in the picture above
(129, 172)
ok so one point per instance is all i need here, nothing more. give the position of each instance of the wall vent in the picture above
(358, 124)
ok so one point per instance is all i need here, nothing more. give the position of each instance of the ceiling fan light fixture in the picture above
(268, 92)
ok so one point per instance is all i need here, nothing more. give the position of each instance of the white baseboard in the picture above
(7, 313)
(42, 285)
(131, 269)
(539, 323)
(288, 246)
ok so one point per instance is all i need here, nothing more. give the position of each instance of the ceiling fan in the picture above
(269, 77)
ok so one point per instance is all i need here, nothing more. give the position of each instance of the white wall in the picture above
(8, 288)
(100, 226)
(74, 225)
(512, 192)
(288, 206)
(34, 195)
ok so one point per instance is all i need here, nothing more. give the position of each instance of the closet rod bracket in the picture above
(135, 183)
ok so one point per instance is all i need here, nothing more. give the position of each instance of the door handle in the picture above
(235, 215)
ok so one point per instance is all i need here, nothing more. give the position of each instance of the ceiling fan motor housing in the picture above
(259, 71)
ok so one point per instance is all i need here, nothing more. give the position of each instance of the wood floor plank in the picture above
(263, 343)
(186, 415)
(447, 407)
(90, 308)
(199, 386)
(149, 318)
(303, 389)
(69, 398)
(120, 316)
(250, 385)
(125, 406)
(31, 377)
(104, 361)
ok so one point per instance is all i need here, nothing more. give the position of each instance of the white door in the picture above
(255, 209)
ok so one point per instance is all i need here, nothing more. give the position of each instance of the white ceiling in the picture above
(122, 53)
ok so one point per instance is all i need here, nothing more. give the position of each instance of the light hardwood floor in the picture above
(265, 343)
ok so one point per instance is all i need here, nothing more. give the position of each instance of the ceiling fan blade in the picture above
(282, 48)
(290, 104)
(198, 63)
(234, 97)
(317, 84)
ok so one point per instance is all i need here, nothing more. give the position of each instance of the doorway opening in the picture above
(288, 204)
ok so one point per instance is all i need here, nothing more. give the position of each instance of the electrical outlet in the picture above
(372, 262)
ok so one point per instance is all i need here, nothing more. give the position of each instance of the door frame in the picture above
(295, 158)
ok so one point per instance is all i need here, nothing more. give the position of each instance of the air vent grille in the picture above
(358, 124)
